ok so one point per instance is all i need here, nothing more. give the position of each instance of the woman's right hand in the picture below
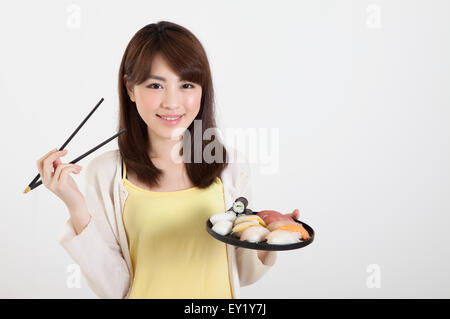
(55, 176)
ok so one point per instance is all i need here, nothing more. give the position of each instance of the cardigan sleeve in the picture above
(250, 267)
(96, 249)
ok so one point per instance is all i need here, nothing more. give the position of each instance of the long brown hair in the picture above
(187, 57)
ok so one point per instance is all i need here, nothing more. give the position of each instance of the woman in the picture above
(139, 230)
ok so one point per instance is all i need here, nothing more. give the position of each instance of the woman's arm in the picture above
(92, 243)
(252, 264)
(79, 216)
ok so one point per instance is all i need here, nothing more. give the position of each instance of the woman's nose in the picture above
(170, 101)
(170, 106)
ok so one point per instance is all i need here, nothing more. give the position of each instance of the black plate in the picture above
(232, 240)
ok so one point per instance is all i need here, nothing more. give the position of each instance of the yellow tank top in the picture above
(171, 253)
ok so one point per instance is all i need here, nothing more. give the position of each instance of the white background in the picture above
(359, 91)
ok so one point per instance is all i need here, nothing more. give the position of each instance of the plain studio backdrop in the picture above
(354, 93)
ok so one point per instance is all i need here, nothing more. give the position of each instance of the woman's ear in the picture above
(129, 89)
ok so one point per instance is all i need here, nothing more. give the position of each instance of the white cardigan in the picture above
(101, 249)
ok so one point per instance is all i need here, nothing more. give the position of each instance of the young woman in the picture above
(139, 229)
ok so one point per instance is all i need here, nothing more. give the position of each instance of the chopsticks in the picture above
(33, 183)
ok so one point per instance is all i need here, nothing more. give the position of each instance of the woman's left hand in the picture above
(267, 257)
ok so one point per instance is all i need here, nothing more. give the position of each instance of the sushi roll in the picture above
(282, 237)
(240, 205)
(231, 216)
(223, 227)
(246, 218)
(248, 211)
(254, 234)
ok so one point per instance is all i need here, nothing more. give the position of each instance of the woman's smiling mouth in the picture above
(170, 119)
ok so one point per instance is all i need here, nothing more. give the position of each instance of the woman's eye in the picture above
(151, 85)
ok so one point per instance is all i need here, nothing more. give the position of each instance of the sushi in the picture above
(270, 216)
(231, 216)
(239, 205)
(274, 225)
(246, 218)
(282, 237)
(239, 228)
(254, 234)
(298, 228)
(223, 227)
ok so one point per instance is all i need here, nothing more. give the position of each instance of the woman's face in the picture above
(162, 99)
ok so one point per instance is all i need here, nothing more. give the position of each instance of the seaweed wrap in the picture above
(240, 205)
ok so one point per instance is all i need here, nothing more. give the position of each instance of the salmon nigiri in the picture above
(297, 228)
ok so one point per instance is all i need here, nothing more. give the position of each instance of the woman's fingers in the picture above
(39, 161)
(63, 170)
(55, 176)
(56, 163)
(295, 213)
(58, 169)
(47, 165)
(40, 164)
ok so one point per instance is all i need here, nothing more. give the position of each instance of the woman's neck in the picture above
(165, 150)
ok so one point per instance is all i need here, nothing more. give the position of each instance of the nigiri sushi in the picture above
(282, 237)
(246, 218)
(274, 225)
(223, 227)
(270, 216)
(254, 234)
(231, 216)
(296, 228)
(239, 228)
